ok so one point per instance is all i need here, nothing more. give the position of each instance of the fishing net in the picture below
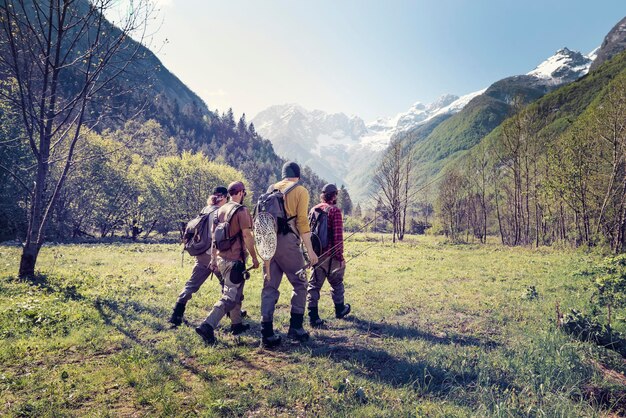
(265, 235)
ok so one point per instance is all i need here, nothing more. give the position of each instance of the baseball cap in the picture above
(329, 188)
(235, 187)
(220, 190)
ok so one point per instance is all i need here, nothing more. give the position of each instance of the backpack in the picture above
(221, 234)
(197, 237)
(273, 202)
(318, 221)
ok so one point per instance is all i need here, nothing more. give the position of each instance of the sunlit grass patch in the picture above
(436, 330)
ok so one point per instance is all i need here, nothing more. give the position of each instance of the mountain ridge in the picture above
(349, 155)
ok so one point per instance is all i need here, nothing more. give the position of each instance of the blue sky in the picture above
(367, 58)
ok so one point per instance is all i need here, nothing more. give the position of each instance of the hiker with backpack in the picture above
(232, 236)
(288, 259)
(326, 225)
(198, 242)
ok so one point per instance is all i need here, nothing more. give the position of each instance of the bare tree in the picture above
(609, 126)
(479, 177)
(61, 58)
(392, 179)
(451, 202)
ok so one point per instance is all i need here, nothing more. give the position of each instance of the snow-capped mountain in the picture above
(314, 138)
(329, 143)
(314, 130)
(344, 149)
(563, 67)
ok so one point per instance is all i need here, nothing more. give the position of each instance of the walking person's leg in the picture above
(236, 314)
(199, 274)
(337, 290)
(291, 261)
(269, 298)
(318, 277)
(225, 304)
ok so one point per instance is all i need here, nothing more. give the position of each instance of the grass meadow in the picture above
(437, 330)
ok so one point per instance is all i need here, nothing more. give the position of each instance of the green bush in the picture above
(587, 329)
(610, 282)
(352, 224)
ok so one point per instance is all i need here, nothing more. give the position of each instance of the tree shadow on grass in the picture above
(379, 366)
(374, 363)
(130, 314)
(131, 318)
(386, 330)
(50, 285)
(130, 311)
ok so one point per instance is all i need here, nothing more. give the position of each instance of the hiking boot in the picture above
(269, 339)
(341, 310)
(296, 331)
(177, 316)
(298, 334)
(206, 332)
(314, 318)
(237, 329)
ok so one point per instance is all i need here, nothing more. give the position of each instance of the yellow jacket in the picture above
(296, 204)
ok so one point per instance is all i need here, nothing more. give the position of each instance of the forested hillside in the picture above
(452, 137)
(556, 170)
(137, 117)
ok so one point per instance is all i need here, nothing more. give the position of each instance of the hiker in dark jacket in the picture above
(201, 270)
(332, 264)
(231, 263)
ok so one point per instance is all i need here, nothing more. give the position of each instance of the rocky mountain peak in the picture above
(614, 43)
(564, 66)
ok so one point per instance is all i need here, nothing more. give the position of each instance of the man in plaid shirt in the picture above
(332, 265)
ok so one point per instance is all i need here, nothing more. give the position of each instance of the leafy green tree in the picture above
(147, 139)
(177, 188)
(102, 194)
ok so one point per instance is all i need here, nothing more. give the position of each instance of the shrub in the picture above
(610, 283)
(587, 329)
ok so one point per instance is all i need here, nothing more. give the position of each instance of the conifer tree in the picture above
(241, 125)
(345, 203)
(252, 130)
(357, 211)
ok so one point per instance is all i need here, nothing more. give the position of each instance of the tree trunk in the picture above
(498, 215)
(28, 260)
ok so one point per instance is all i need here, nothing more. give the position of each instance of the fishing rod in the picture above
(334, 250)
(318, 265)
(353, 257)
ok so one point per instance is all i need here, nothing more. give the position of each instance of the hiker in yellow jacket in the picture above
(289, 260)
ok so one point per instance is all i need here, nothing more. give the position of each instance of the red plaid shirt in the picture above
(335, 231)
